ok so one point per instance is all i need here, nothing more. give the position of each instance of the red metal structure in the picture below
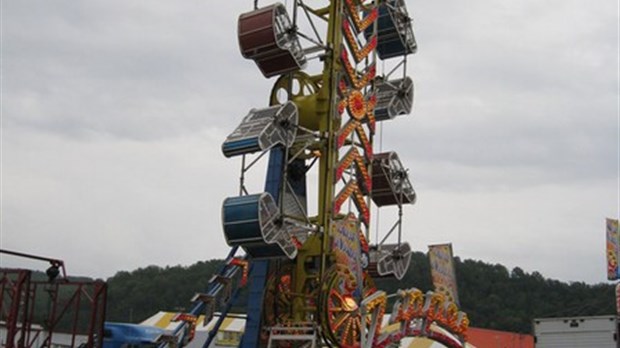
(494, 338)
(33, 309)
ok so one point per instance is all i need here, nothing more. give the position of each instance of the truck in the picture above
(576, 332)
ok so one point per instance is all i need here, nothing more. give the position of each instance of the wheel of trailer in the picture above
(340, 311)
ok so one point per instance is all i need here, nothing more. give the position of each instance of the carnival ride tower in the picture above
(307, 236)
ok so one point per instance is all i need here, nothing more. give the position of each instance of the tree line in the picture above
(493, 296)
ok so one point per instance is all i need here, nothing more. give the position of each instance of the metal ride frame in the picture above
(72, 307)
(311, 273)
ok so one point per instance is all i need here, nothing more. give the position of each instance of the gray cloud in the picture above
(123, 70)
(522, 87)
(113, 114)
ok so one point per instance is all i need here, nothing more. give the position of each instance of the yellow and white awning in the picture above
(164, 320)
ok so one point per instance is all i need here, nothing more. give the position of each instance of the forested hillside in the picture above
(493, 296)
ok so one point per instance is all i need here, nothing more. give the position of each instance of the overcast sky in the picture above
(113, 114)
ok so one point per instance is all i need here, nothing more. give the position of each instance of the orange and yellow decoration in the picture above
(417, 312)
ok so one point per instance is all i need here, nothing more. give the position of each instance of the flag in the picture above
(613, 248)
(442, 271)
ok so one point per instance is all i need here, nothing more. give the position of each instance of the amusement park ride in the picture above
(310, 275)
(309, 260)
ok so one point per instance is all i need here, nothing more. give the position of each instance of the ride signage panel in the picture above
(346, 245)
(442, 271)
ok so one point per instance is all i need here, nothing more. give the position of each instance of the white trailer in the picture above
(577, 332)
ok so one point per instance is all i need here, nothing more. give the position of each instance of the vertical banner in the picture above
(442, 271)
(347, 247)
(613, 247)
(618, 298)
